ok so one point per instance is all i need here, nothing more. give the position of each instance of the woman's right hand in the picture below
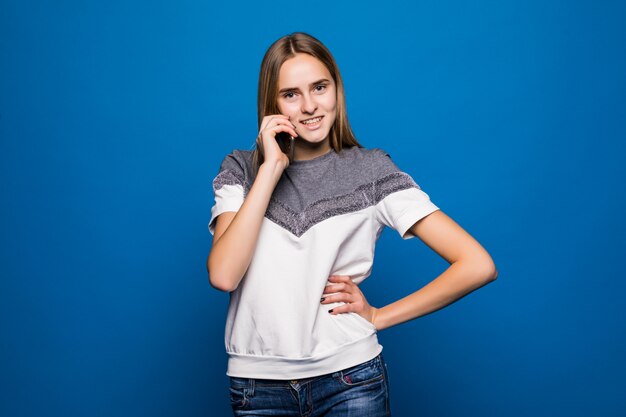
(266, 140)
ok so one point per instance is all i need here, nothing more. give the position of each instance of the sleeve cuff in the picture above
(227, 198)
(407, 219)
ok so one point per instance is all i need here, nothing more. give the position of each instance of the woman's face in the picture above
(307, 94)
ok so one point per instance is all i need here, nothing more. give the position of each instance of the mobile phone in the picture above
(285, 141)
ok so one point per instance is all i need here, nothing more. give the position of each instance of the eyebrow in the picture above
(284, 90)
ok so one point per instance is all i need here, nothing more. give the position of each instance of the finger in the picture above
(345, 308)
(266, 120)
(342, 283)
(275, 130)
(284, 128)
(337, 298)
(345, 283)
(334, 288)
(286, 123)
(340, 278)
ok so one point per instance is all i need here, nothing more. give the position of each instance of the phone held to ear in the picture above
(286, 143)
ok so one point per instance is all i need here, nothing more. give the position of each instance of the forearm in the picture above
(461, 278)
(231, 254)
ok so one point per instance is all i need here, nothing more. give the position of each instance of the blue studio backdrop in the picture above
(115, 116)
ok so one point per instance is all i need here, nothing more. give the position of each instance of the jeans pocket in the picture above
(238, 391)
(363, 374)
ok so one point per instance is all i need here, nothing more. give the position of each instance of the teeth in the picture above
(312, 121)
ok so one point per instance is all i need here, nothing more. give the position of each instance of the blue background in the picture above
(114, 118)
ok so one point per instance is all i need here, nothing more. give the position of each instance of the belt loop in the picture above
(250, 388)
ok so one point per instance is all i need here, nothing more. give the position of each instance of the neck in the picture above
(306, 150)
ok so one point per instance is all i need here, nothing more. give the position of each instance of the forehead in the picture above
(302, 69)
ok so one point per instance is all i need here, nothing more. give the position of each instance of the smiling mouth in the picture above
(312, 121)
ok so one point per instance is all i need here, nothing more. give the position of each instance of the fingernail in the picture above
(322, 299)
(331, 310)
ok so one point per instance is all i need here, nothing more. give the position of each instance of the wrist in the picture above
(375, 318)
(273, 169)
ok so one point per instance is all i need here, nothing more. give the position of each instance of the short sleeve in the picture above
(400, 201)
(228, 189)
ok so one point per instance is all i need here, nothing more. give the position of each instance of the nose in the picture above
(308, 104)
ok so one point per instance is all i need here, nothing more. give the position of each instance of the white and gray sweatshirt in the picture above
(324, 218)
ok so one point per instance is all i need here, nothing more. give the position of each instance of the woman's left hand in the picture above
(349, 293)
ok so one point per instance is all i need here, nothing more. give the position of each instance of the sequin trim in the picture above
(228, 177)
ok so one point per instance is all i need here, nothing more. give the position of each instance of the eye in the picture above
(288, 95)
(320, 87)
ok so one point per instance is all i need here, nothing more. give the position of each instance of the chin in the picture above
(313, 139)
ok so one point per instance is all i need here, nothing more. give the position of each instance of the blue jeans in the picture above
(361, 390)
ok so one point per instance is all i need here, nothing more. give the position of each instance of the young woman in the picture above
(293, 237)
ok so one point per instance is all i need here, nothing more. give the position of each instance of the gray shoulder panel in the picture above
(235, 169)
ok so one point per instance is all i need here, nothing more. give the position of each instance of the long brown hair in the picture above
(267, 100)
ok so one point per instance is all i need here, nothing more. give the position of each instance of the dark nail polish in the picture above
(322, 299)
(331, 310)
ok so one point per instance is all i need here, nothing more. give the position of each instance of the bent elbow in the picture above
(491, 273)
(492, 277)
(216, 279)
(485, 271)
(219, 283)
